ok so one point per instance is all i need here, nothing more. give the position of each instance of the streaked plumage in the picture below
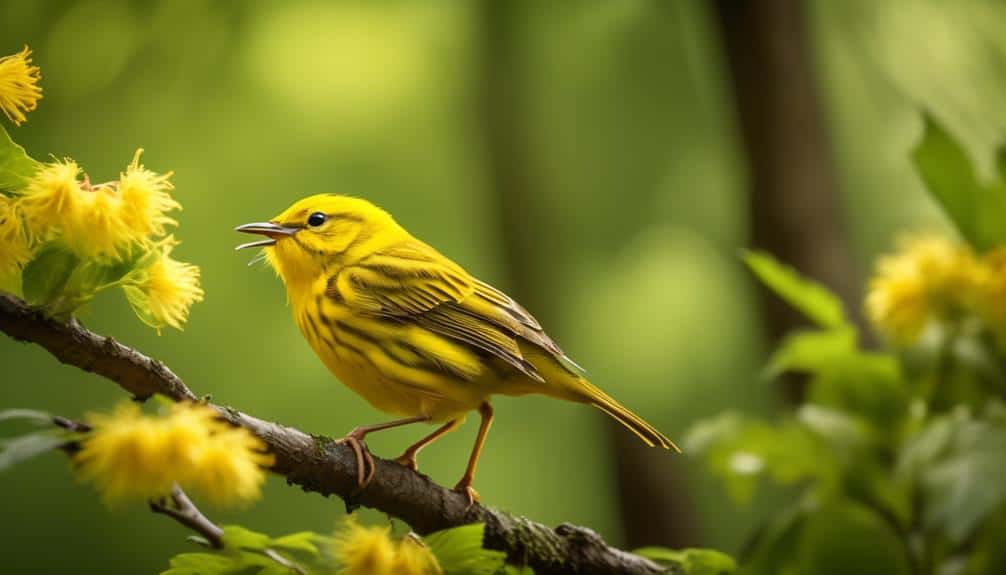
(408, 329)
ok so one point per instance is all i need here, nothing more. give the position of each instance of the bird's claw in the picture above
(465, 488)
(408, 460)
(365, 466)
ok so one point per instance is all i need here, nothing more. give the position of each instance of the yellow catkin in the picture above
(165, 291)
(146, 199)
(414, 558)
(52, 197)
(19, 89)
(132, 456)
(15, 247)
(364, 550)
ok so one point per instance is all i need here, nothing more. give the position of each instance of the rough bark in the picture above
(321, 465)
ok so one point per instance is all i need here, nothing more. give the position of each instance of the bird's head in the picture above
(319, 234)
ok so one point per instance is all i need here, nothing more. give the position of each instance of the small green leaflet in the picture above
(810, 298)
(24, 447)
(45, 276)
(459, 551)
(691, 561)
(15, 165)
(977, 209)
(32, 415)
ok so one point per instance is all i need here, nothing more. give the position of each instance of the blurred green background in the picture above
(586, 156)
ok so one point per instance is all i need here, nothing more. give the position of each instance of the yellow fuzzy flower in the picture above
(19, 89)
(414, 558)
(929, 278)
(145, 199)
(15, 247)
(993, 291)
(363, 550)
(162, 293)
(96, 230)
(52, 197)
(132, 456)
(226, 480)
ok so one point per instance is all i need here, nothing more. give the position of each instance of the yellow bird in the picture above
(410, 330)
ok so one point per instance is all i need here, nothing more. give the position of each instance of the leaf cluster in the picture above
(894, 459)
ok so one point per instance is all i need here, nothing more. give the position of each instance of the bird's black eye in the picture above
(316, 219)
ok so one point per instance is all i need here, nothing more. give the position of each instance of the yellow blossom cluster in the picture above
(932, 279)
(15, 249)
(372, 551)
(102, 222)
(112, 234)
(131, 456)
(19, 89)
(163, 292)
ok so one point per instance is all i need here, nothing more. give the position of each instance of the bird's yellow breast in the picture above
(392, 364)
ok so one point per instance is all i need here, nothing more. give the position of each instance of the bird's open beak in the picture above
(269, 229)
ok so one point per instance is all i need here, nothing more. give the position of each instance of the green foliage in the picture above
(956, 461)
(17, 449)
(247, 551)
(459, 550)
(835, 537)
(14, 450)
(15, 165)
(811, 298)
(891, 464)
(691, 561)
(45, 276)
(977, 209)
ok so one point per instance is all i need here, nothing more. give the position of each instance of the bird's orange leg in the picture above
(408, 458)
(465, 485)
(363, 458)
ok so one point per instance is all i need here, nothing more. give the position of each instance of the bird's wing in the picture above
(413, 282)
(401, 281)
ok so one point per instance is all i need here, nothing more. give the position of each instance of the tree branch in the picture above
(185, 512)
(323, 466)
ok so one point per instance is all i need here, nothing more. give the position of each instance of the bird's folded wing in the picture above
(401, 281)
(412, 282)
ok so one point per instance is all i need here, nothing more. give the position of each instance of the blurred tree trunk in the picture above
(795, 209)
(655, 510)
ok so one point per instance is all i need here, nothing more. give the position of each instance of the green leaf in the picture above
(742, 450)
(867, 384)
(237, 537)
(812, 351)
(24, 447)
(34, 416)
(837, 538)
(692, 561)
(459, 551)
(977, 210)
(958, 459)
(846, 537)
(306, 541)
(45, 276)
(199, 564)
(844, 431)
(809, 297)
(15, 165)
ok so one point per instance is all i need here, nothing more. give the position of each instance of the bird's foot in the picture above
(465, 488)
(365, 467)
(408, 460)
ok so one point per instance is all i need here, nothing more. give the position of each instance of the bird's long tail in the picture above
(620, 413)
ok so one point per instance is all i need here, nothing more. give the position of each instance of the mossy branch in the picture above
(323, 466)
